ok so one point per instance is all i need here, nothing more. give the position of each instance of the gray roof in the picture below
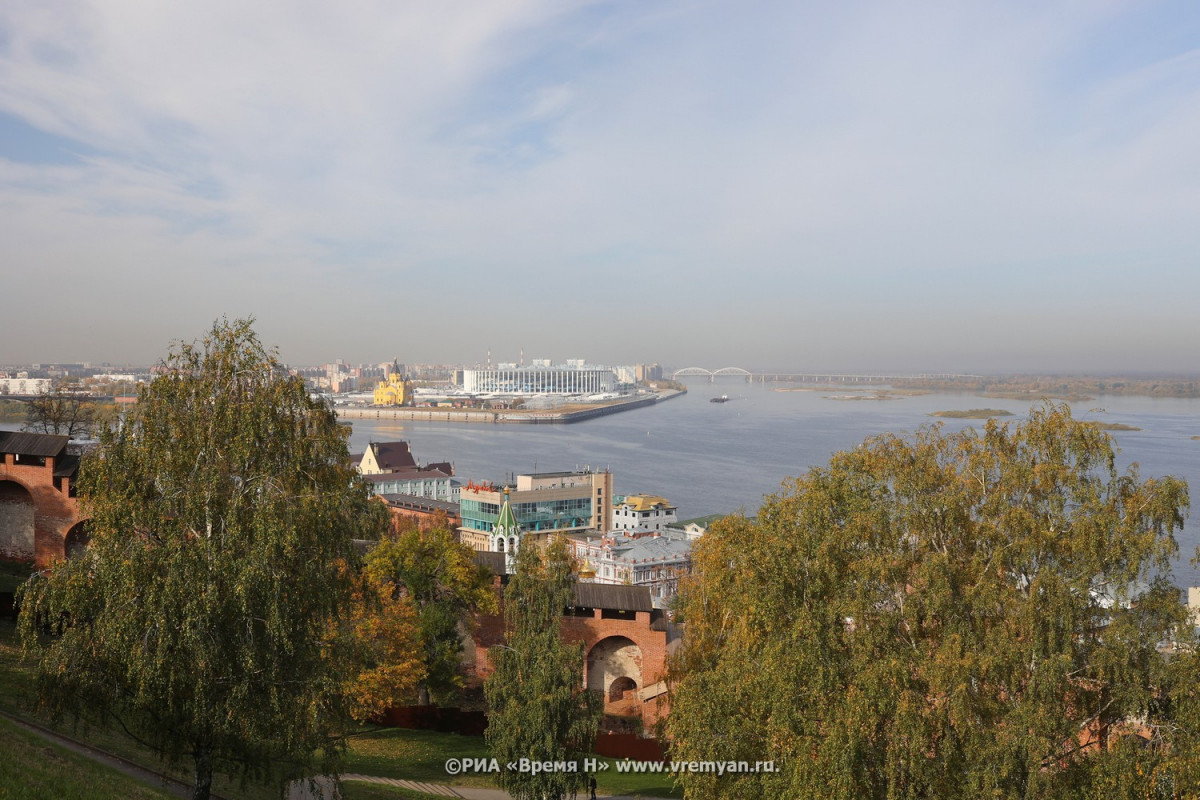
(703, 522)
(420, 503)
(405, 475)
(32, 444)
(587, 595)
(66, 466)
(611, 596)
(648, 548)
(496, 562)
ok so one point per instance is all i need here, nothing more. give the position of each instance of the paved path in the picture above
(135, 771)
(321, 788)
(436, 789)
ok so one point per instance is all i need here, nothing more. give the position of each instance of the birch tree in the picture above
(974, 614)
(205, 615)
(537, 706)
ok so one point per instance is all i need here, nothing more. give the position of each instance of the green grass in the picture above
(32, 768)
(422, 755)
(17, 697)
(16, 676)
(415, 755)
(384, 752)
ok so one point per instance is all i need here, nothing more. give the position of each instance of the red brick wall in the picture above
(55, 512)
(591, 630)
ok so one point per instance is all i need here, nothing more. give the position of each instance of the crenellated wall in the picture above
(37, 511)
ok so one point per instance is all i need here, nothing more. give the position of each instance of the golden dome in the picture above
(587, 571)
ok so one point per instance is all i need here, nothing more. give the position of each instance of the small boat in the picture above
(722, 399)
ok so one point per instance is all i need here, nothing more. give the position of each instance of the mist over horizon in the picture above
(991, 188)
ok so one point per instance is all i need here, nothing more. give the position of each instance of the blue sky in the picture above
(828, 186)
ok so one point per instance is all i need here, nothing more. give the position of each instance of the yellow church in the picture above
(395, 391)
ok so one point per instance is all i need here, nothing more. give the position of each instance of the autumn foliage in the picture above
(974, 614)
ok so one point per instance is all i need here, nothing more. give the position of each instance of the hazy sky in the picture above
(815, 185)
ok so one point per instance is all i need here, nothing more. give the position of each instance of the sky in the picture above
(891, 187)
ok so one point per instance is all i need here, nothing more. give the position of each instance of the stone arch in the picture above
(77, 539)
(618, 688)
(610, 660)
(18, 514)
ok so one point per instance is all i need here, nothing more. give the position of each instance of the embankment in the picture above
(506, 416)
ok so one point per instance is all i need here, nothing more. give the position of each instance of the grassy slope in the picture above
(31, 767)
(17, 689)
(421, 756)
(388, 752)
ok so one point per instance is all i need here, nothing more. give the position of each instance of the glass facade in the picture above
(540, 380)
(540, 515)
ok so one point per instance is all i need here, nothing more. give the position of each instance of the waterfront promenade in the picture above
(501, 416)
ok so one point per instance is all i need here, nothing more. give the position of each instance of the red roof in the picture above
(393, 456)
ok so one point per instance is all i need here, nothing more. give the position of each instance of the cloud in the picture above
(590, 167)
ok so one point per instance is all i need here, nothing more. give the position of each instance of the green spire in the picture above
(506, 522)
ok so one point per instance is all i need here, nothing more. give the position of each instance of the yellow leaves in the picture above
(385, 631)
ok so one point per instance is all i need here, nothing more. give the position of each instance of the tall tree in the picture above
(62, 412)
(385, 633)
(951, 615)
(537, 706)
(204, 615)
(439, 576)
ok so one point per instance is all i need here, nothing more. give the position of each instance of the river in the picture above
(721, 457)
(712, 458)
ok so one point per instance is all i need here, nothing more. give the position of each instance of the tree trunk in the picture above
(423, 694)
(203, 786)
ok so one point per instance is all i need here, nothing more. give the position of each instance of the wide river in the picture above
(721, 457)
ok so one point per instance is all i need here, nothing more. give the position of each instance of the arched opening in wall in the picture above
(611, 659)
(618, 688)
(17, 513)
(76, 540)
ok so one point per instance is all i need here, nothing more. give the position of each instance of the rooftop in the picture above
(405, 475)
(420, 503)
(643, 502)
(393, 455)
(32, 444)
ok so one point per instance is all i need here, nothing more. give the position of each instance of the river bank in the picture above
(506, 416)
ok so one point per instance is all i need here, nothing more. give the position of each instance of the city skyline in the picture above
(993, 188)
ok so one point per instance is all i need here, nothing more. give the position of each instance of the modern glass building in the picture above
(560, 379)
(533, 517)
(544, 504)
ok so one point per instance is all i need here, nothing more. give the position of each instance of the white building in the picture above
(25, 385)
(572, 378)
(431, 484)
(691, 529)
(642, 513)
(656, 562)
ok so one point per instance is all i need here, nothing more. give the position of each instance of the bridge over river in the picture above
(805, 377)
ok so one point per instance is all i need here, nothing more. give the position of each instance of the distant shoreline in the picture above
(1056, 387)
(503, 416)
(973, 413)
